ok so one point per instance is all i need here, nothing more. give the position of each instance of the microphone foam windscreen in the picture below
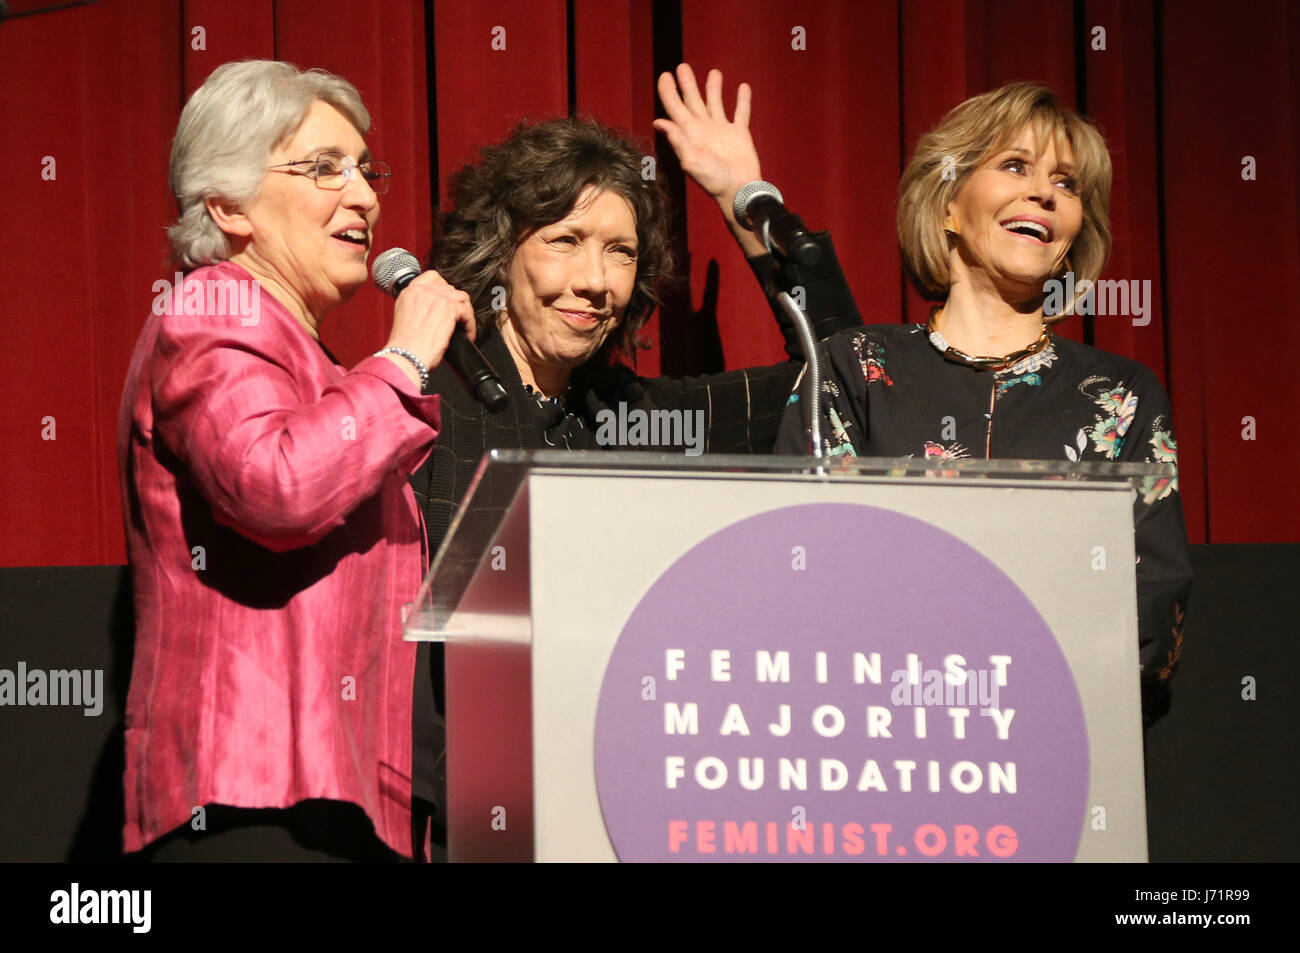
(740, 205)
(391, 265)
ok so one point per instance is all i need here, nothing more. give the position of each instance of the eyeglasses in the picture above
(333, 171)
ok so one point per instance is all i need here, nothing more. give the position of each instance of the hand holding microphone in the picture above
(436, 322)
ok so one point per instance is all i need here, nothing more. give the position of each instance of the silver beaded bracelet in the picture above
(419, 364)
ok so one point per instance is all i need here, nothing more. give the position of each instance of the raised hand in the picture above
(717, 153)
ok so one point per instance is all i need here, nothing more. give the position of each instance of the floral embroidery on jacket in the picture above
(871, 358)
(1006, 385)
(1118, 408)
(937, 451)
(1044, 358)
(1163, 450)
(837, 443)
(1023, 371)
(1175, 653)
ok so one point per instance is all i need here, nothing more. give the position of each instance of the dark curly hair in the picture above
(533, 179)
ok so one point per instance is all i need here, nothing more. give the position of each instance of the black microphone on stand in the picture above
(760, 208)
(396, 268)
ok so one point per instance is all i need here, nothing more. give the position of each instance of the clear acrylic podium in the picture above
(556, 561)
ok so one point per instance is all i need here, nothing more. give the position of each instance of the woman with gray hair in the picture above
(271, 531)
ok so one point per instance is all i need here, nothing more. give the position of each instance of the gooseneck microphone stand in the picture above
(759, 207)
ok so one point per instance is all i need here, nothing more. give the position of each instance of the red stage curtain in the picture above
(1184, 93)
(96, 89)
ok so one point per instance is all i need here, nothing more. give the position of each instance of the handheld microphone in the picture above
(760, 208)
(396, 268)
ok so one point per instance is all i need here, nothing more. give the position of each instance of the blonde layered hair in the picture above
(964, 140)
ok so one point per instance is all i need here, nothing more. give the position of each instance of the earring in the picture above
(951, 227)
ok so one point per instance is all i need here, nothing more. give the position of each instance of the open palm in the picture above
(717, 153)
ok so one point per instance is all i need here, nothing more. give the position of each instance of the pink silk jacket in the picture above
(273, 539)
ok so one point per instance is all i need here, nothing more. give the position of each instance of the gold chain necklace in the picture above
(950, 353)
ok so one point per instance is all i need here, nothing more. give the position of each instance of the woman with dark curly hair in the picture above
(561, 242)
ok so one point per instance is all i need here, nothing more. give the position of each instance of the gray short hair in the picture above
(225, 137)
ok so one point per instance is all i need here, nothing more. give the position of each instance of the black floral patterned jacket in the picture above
(889, 392)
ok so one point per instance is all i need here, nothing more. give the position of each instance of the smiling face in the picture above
(308, 242)
(570, 283)
(1017, 216)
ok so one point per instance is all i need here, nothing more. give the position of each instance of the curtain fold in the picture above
(1198, 103)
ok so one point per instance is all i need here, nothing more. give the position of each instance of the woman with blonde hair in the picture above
(1003, 222)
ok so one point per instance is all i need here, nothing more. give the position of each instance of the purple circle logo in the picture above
(839, 682)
